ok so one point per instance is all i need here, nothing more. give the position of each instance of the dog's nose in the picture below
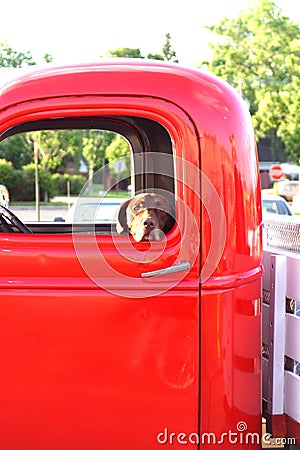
(149, 223)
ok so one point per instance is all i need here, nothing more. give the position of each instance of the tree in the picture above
(168, 53)
(12, 58)
(7, 174)
(17, 149)
(28, 183)
(258, 53)
(289, 128)
(119, 149)
(57, 147)
(125, 52)
(95, 143)
(155, 56)
(48, 57)
(60, 182)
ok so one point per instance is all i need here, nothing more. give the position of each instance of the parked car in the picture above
(274, 204)
(287, 189)
(94, 210)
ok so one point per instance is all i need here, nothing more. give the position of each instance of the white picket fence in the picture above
(281, 332)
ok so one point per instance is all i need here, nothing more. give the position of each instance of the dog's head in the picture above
(146, 217)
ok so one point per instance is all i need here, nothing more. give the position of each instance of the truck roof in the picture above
(118, 76)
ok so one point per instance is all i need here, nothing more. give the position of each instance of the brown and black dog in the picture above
(146, 217)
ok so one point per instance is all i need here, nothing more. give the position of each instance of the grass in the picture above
(93, 194)
(110, 194)
(41, 203)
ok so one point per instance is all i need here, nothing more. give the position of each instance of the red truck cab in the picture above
(108, 343)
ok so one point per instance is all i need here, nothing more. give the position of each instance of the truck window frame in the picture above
(144, 136)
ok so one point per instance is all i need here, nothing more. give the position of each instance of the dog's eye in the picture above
(136, 208)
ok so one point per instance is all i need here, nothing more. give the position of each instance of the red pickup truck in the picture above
(108, 343)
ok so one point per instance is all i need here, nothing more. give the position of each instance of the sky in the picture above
(83, 31)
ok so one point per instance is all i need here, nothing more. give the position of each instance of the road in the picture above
(47, 213)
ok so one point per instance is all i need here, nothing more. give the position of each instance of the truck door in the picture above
(100, 333)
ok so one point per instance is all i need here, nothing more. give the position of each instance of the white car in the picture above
(287, 189)
(89, 209)
(274, 204)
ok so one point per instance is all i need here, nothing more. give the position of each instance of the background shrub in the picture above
(60, 181)
(8, 176)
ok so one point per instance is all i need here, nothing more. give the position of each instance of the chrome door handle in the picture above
(181, 267)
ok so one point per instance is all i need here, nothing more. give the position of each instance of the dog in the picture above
(147, 217)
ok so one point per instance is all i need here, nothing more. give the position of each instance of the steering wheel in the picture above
(9, 221)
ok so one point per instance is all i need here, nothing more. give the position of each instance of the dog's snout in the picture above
(149, 223)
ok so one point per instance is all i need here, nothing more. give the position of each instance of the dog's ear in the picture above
(122, 225)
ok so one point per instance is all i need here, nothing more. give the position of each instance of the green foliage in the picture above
(57, 147)
(13, 179)
(289, 128)
(258, 53)
(28, 183)
(168, 53)
(60, 183)
(17, 149)
(48, 57)
(119, 149)
(21, 183)
(125, 52)
(7, 174)
(155, 56)
(94, 144)
(12, 58)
